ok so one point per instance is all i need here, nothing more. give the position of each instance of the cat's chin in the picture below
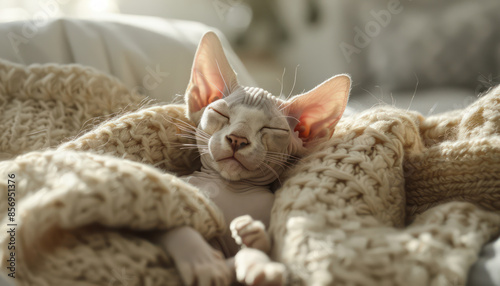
(230, 176)
(231, 169)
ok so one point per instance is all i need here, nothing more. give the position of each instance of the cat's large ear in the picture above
(212, 76)
(318, 111)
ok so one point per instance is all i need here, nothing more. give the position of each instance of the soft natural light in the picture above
(99, 5)
(13, 14)
(239, 16)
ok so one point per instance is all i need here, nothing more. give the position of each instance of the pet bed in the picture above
(393, 198)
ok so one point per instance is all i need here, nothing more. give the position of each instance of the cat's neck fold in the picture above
(212, 176)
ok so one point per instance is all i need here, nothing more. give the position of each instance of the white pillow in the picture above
(153, 55)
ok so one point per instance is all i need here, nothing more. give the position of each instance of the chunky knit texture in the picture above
(340, 217)
(44, 105)
(375, 205)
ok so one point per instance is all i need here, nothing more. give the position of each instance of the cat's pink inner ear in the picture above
(211, 75)
(319, 110)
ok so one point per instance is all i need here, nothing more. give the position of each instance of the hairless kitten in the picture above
(246, 138)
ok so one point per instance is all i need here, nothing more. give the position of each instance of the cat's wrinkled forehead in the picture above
(253, 97)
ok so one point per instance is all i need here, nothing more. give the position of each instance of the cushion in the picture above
(150, 55)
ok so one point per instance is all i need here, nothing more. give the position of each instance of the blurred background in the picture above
(424, 55)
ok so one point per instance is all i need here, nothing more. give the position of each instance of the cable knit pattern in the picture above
(68, 190)
(378, 204)
(150, 136)
(338, 218)
(45, 104)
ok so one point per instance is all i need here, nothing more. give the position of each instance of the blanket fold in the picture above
(393, 198)
(65, 190)
(386, 168)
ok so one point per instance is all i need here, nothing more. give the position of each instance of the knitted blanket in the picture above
(392, 199)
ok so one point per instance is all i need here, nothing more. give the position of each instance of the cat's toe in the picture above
(251, 233)
(267, 274)
(239, 224)
(253, 267)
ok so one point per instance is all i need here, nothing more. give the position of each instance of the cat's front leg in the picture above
(253, 266)
(197, 262)
(251, 233)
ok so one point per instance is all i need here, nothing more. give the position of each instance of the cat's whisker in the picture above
(194, 144)
(199, 138)
(180, 144)
(204, 135)
(199, 155)
(192, 147)
(169, 119)
(280, 159)
(277, 154)
(289, 103)
(262, 169)
(283, 102)
(184, 126)
(197, 131)
(222, 76)
(281, 164)
(192, 137)
(294, 81)
(202, 152)
(284, 154)
(283, 157)
(282, 81)
(380, 101)
(414, 93)
(188, 148)
(272, 170)
(278, 164)
(287, 98)
(192, 130)
(277, 157)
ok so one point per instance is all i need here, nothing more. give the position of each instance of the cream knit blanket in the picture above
(376, 205)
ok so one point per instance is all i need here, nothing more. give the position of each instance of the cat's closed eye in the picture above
(219, 112)
(275, 129)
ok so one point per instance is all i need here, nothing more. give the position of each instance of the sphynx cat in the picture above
(246, 138)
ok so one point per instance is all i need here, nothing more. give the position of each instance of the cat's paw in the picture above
(208, 270)
(196, 261)
(253, 267)
(251, 233)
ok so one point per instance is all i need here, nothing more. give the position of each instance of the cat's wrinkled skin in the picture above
(246, 138)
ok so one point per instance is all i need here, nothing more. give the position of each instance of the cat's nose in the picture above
(237, 142)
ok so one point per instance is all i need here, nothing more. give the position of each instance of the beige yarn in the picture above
(339, 218)
(43, 105)
(77, 192)
(149, 136)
